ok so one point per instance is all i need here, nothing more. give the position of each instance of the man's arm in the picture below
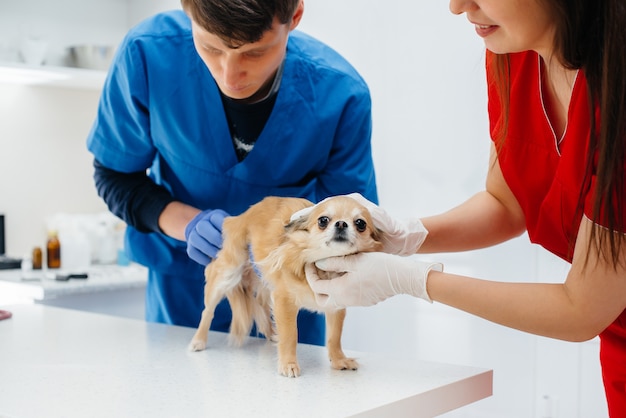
(133, 197)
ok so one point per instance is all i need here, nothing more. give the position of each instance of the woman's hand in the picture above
(364, 279)
(403, 238)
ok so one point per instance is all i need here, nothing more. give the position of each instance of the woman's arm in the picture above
(593, 295)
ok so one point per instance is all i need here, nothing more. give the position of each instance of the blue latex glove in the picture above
(204, 235)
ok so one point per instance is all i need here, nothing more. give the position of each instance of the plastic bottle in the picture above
(37, 258)
(53, 250)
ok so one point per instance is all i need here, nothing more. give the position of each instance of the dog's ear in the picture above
(377, 234)
(298, 224)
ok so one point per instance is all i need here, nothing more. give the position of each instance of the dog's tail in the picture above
(249, 299)
(249, 303)
(241, 323)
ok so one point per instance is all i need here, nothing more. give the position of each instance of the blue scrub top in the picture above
(161, 111)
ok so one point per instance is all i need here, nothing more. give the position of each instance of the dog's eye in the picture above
(360, 225)
(323, 222)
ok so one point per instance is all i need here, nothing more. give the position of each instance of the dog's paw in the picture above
(289, 369)
(197, 345)
(344, 364)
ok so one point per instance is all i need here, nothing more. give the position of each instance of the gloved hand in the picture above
(364, 279)
(403, 238)
(204, 235)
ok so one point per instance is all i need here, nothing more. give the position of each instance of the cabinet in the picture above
(60, 24)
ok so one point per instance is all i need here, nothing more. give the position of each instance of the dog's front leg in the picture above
(285, 316)
(334, 328)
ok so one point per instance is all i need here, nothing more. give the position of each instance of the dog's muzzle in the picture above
(341, 231)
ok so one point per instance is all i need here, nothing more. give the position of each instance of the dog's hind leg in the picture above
(263, 313)
(216, 286)
(334, 328)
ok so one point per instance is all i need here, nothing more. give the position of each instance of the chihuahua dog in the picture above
(280, 249)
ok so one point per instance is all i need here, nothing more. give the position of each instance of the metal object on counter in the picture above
(2, 245)
(9, 263)
(66, 277)
(6, 262)
(48, 275)
(93, 57)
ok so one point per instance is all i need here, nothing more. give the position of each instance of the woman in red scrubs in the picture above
(556, 73)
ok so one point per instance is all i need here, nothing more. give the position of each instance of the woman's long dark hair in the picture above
(591, 36)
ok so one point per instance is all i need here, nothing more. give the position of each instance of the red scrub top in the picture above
(545, 173)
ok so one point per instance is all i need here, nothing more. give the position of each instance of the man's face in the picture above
(241, 72)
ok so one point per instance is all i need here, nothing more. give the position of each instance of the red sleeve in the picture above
(618, 202)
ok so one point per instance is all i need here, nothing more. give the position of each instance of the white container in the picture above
(34, 50)
(75, 252)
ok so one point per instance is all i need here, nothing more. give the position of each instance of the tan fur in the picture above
(281, 249)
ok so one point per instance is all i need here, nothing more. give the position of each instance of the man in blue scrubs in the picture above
(205, 112)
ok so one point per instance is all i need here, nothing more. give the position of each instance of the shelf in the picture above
(44, 75)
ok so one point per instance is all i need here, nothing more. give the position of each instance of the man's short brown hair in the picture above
(239, 22)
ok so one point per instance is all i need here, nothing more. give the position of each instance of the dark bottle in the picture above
(37, 258)
(53, 250)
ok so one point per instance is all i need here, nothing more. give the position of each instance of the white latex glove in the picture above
(368, 278)
(403, 238)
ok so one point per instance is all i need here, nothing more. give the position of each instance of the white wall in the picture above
(425, 70)
(61, 23)
(44, 164)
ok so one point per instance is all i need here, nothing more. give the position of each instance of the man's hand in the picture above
(204, 235)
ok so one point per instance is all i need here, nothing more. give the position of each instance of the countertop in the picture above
(40, 284)
(57, 362)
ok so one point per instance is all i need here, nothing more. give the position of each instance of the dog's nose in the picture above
(341, 224)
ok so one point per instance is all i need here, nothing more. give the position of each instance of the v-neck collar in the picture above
(557, 141)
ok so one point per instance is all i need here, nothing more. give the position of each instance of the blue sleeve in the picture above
(120, 136)
(338, 103)
(350, 167)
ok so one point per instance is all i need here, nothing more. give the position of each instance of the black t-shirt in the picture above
(246, 121)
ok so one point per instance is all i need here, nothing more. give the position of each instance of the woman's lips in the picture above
(485, 30)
